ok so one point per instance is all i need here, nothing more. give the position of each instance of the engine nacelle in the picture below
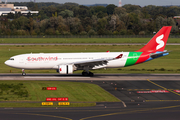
(65, 69)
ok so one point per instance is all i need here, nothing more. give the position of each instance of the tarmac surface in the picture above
(152, 111)
(153, 96)
(96, 77)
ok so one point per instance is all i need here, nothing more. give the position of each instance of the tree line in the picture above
(75, 19)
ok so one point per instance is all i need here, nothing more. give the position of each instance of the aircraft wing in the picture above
(96, 62)
(93, 62)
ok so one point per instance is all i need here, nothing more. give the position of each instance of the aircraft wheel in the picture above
(23, 74)
(84, 73)
(87, 74)
(91, 74)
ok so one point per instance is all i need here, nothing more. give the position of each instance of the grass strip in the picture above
(75, 91)
(79, 94)
(81, 40)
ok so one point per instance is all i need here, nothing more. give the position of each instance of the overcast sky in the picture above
(134, 2)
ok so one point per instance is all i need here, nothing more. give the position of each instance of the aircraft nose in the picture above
(10, 63)
(6, 62)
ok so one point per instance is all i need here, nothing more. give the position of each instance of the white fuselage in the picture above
(53, 60)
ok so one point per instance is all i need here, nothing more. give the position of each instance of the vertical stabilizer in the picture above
(158, 42)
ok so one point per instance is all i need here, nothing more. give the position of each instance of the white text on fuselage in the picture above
(42, 58)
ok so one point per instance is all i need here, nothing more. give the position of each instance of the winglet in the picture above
(158, 42)
(120, 56)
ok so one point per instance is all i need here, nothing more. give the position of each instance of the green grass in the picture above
(75, 91)
(85, 94)
(170, 63)
(15, 91)
(81, 40)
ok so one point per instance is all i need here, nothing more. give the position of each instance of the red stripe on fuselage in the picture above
(144, 56)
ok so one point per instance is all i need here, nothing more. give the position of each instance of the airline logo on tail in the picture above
(160, 42)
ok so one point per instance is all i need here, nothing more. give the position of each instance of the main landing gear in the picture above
(23, 72)
(84, 73)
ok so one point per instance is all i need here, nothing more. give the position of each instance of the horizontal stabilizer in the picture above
(158, 54)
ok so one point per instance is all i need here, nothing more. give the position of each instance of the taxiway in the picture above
(97, 77)
(143, 96)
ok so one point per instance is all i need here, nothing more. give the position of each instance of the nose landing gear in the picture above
(23, 72)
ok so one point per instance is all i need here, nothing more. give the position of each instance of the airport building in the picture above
(10, 8)
(177, 19)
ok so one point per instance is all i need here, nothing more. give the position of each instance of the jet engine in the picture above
(65, 69)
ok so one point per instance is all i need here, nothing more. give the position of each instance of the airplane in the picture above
(67, 63)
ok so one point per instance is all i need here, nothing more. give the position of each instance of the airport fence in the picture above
(83, 36)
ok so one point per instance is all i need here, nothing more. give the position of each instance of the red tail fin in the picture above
(158, 42)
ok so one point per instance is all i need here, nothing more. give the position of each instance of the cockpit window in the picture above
(11, 59)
